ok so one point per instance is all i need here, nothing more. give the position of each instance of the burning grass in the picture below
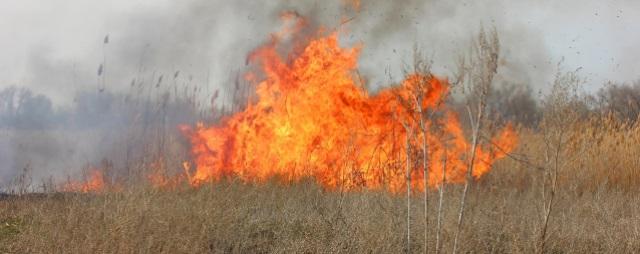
(344, 155)
(595, 210)
(312, 118)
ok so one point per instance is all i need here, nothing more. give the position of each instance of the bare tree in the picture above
(409, 134)
(479, 73)
(441, 201)
(422, 67)
(514, 103)
(559, 114)
(621, 100)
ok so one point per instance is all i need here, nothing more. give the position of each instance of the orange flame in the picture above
(159, 178)
(93, 184)
(312, 119)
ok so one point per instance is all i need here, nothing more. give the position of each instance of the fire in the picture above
(312, 118)
(94, 183)
(159, 178)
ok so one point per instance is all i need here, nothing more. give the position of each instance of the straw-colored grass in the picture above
(595, 211)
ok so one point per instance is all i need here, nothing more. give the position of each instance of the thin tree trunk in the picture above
(552, 195)
(543, 235)
(487, 57)
(408, 191)
(440, 202)
(469, 180)
(425, 174)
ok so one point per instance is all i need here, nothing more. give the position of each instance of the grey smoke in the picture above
(55, 48)
(211, 38)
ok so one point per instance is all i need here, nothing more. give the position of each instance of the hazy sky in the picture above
(55, 46)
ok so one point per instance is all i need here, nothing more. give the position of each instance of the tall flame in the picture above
(312, 118)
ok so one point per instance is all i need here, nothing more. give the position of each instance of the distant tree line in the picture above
(620, 100)
(520, 104)
(21, 108)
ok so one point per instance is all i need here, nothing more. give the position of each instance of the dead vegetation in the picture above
(503, 216)
(567, 189)
(570, 187)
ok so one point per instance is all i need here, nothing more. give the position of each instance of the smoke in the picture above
(198, 46)
(122, 129)
(209, 40)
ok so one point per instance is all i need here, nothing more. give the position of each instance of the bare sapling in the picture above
(409, 134)
(441, 201)
(425, 171)
(559, 114)
(423, 66)
(479, 73)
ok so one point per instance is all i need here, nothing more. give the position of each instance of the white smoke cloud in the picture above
(56, 47)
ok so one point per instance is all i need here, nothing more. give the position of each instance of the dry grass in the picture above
(239, 219)
(596, 211)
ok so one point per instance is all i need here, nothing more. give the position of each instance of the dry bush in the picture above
(621, 100)
(514, 103)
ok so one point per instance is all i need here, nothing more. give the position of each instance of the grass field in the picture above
(570, 185)
(239, 218)
(595, 211)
